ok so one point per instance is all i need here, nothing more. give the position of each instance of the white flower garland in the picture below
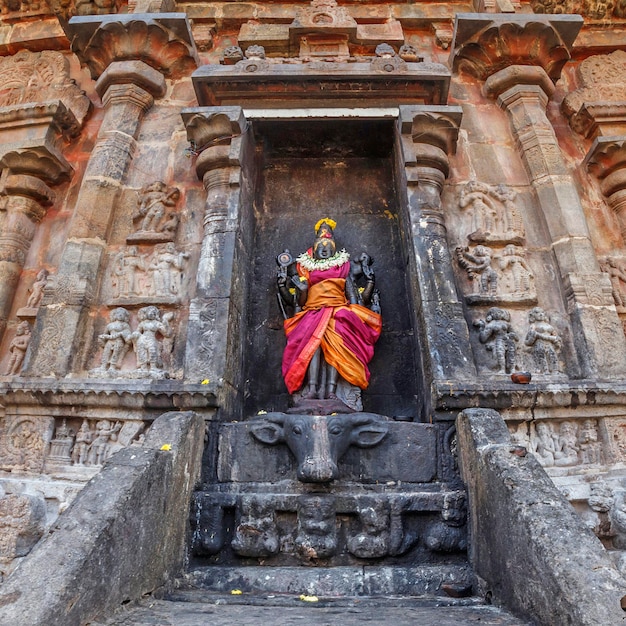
(309, 263)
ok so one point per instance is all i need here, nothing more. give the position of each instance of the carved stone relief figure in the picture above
(374, 539)
(100, 450)
(542, 443)
(156, 219)
(61, 446)
(616, 269)
(543, 340)
(317, 532)
(36, 291)
(497, 333)
(494, 217)
(518, 277)
(166, 268)
(601, 501)
(116, 340)
(146, 342)
(84, 437)
(17, 348)
(137, 276)
(479, 270)
(566, 443)
(256, 533)
(449, 534)
(126, 277)
(589, 446)
(24, 442)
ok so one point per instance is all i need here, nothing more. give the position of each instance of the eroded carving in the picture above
(22, 523)
(317, 531)
(38, 77)
(566, 444)
(543, 340)
(256, 533)
(450, 533)
(374, 539)
(24, 442)
(477, 264)
(616, 269)
(116, 340)
(35, 297)
(494, 217)
(146, 340)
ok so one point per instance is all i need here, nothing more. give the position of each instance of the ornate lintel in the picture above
(162, 40)
(484, 44)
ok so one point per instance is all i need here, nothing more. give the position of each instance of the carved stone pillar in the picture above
(215, 335)
(522, 83)
(127, 87)
(24, 198)
(429, 135)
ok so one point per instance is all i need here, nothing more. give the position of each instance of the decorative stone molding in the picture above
(598, 106)
(162, 41)
(590, 9)
(485, 44)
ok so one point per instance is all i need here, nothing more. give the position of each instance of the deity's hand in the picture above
(281, 277)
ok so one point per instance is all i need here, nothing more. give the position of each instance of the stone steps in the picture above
(202, 608)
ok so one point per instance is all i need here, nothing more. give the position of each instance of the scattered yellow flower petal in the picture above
(302, 279)
(361, 289)
(292, 291)
(261, 412)
(236, 592)
(309, 598)
(335, 413)
(206, 381)
(166, 446)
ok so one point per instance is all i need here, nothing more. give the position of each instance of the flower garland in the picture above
(309, 263)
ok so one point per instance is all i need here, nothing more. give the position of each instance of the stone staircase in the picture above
(199, 607)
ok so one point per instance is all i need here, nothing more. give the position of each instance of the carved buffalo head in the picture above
(319, 441)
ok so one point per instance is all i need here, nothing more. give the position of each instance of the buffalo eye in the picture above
(297, 430)
(336, 429)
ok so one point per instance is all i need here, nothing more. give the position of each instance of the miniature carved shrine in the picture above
(327, 227)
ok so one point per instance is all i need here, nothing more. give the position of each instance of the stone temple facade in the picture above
(157, 156)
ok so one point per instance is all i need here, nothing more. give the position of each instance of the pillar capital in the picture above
(519, 81)
(211, 131)
(131, 77)
(161, 40)
(487, 43)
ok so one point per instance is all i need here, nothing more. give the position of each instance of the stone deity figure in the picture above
(36, 291)
(17, 348)
(147, 346)
(513, 261)
(128, 264)
(497, 333)
(98, 451)
(485, 216)
(116, 340)
(590, 447)
(167, 267)
(333, 332)
(543, 444)
(566, 452)
(543, 340)
(82, 443)
(617, 275)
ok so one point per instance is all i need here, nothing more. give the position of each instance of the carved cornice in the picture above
(162, 41)
(485, 44)
(589, 9)
(435, 125)
(123, 394)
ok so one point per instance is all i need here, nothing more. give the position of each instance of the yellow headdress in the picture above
(325, 220)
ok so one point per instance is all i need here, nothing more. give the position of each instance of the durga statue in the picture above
(332, 321)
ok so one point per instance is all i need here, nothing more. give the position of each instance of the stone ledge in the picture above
(123, 536)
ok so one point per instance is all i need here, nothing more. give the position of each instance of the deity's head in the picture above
(324, 228)
(324, 248)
